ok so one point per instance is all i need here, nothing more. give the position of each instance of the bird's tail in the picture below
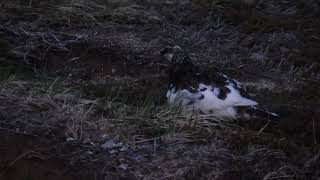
(261, 112)
(257, 112)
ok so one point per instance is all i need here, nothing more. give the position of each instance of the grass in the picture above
(53, 86)
(147, 128)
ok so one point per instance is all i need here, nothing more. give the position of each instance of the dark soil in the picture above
(26, 158)
(82, 89)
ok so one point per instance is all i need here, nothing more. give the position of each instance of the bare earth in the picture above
(82, 89)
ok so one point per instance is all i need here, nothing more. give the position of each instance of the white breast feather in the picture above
(210, 103)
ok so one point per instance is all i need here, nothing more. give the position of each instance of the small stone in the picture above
(70, 139)
(87, 140)
(104, 136)
(123, 166)
(123, 148)
(258, 56)
(90, 152)
(112, 151)
(108, 144)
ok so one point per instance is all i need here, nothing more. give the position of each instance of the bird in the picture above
(206, 91)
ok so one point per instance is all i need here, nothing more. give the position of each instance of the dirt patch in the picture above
(24, 157)
(82, 90)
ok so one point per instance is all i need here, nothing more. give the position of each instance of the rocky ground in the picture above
(82, 89)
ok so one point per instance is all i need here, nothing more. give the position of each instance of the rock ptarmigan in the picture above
(207, 92)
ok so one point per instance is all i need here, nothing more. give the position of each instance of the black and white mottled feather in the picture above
(205, 91)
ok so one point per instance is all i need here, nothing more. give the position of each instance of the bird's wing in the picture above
(235, 98)
(183, 96)
(232, 93)
(188, 97)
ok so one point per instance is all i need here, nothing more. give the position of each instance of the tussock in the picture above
(81, 74)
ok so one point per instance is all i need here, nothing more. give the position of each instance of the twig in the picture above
(23, 155)
(261, 130)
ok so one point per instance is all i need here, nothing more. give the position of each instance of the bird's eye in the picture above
(164, 51)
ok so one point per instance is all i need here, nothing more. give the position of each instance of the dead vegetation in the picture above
(82, 88)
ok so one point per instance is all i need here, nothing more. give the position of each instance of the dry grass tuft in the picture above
(87, 76)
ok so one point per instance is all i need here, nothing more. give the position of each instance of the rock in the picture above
(113, 151)
(87, 141)
(123, 166)
(123, 148)
(90, 152)
(110, 144)
(258, 56)
(70, 139)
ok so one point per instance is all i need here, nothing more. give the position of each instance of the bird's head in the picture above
(180, 67)
(172, 54)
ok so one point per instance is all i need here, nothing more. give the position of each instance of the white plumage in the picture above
(207, 101)
(220, 96)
